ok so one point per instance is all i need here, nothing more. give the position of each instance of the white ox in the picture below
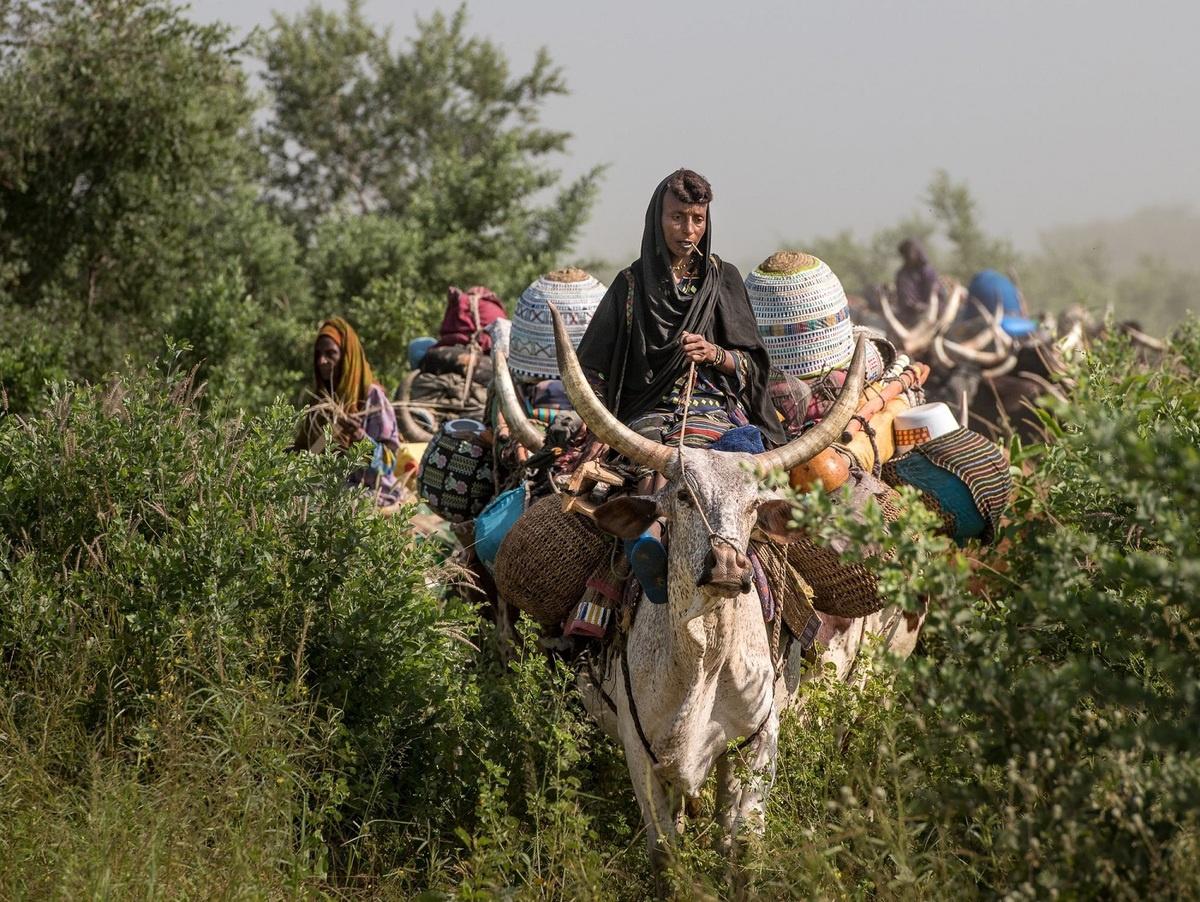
(695, 675)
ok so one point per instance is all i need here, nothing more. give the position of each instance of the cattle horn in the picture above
(825, 433)
(963, 352)
(514, 416)
(935, 319)
(1002, 370)
(893, 321)
(1137, 336)
(993, 332)
(410, 429)
(953, 303)
(602, 423)
(1072, 340)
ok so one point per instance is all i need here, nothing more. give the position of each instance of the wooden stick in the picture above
(878, 396)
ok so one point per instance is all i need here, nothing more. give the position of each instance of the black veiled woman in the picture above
(679, 303)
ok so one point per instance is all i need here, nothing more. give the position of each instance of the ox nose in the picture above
(726, 569)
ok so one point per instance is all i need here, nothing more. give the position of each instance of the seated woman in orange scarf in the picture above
(347, 397)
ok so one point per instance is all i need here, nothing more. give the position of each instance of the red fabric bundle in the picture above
(458, 325)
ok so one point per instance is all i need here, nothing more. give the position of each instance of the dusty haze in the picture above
(814, 117)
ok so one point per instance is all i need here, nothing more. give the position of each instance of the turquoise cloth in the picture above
(950, 491)
(494, 522)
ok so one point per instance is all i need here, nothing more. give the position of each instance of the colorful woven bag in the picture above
(963, 476)
(456, 471)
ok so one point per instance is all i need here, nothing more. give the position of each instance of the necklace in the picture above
(683, 268)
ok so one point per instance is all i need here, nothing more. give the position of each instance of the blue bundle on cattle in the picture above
(963, 476)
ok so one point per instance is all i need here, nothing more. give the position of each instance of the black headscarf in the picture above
(642, 359)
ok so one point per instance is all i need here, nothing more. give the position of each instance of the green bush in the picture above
(224, 675)
(33, 353)
(1068, 687)
(163, 573)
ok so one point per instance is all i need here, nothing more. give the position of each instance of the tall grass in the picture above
(224, 677)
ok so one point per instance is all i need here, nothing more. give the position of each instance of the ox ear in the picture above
(627, 517)
(774, 518)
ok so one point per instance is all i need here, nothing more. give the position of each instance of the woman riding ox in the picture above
(679, 304)
(695, 684)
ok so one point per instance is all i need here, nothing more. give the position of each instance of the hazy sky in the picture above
(810, 118)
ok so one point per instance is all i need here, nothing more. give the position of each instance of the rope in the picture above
(713, 535)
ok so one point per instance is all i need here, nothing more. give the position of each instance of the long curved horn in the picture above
(939, 350)
(1047, 386)
(506, 395)
(598, 418)
(893, 321)
(994, 331)
(994, 358)
(825, 433)
(931, 309)
(1141, 338)
(1003, 369)
(953, 302)
(1072, 340)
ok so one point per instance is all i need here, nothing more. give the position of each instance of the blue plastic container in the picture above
(494, 522)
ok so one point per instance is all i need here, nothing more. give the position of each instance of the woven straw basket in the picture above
(793, 595)
(844, 589)
(544, 562)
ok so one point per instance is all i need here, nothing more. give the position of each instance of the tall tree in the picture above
(954, 209)
(438, 136)
(127, 177)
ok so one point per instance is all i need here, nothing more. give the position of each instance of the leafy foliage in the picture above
(438, 141)
(132, 181)
(223, 675)
(124, 172)
(1072, 698)
(155, 564)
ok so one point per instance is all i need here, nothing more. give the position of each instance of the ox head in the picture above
(711, 499)
(916, 340)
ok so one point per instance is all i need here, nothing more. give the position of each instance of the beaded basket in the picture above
(575, 295)
(802, 313)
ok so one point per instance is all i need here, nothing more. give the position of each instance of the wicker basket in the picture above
(793, 595)
(544, 562)
(844, 589)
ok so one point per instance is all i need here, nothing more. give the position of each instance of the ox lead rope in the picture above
(713, 535)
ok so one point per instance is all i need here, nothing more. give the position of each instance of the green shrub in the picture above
(224, 675)
(33, 353)
(1068, 686)
(150, 557)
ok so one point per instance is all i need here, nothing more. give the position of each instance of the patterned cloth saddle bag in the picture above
(456, 471)
(963, 476)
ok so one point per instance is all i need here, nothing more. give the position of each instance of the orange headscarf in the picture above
(356, 379)
(353, 384)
